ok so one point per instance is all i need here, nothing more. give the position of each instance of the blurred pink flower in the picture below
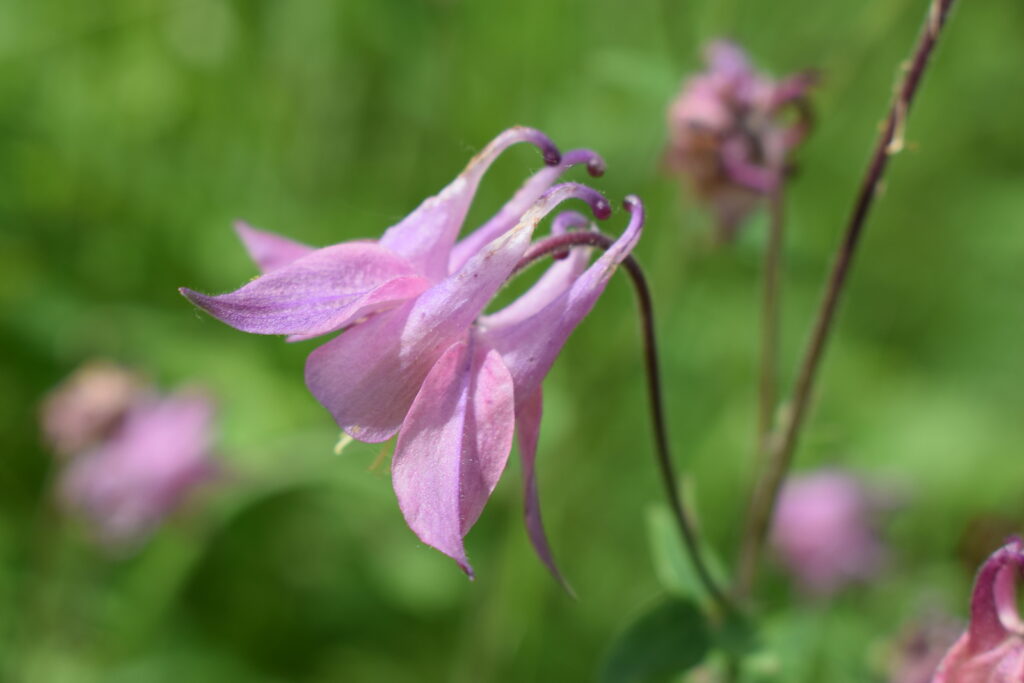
(87, 406)
(728, 134)
(150, 454)
(992, 649)
(418, 357)
(822, 531)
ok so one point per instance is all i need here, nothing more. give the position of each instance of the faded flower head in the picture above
(822, 531)
(87, 406)
(992, 649)
(730, 133)
(141, 460)
(417, 356)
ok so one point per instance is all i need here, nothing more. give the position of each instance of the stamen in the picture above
(343, 443)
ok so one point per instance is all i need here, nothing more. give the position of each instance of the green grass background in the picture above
(132, 132)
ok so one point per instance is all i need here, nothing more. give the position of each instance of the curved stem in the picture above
(782, 447)
(559, 243)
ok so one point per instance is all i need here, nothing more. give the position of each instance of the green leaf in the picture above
(672, 564)
(736, 635)
(668, 639)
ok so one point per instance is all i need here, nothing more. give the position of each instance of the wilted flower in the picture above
(729, 134)
(88, 406)
(822, 531)
(417, 357)
(144, 454)
(992, 649)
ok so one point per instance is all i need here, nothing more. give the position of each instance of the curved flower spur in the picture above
(417, 357)
(992, 649)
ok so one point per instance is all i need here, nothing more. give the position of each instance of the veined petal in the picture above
(318, 293)
(267, 250)
(529, 345)
(367, 377)
(528, 414)
(425, 237)
(454, 445)
(529, 193)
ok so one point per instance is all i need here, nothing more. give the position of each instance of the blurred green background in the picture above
(132, 132)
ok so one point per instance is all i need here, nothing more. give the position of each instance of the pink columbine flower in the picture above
(992, 649)
(728, 134)
(144, 455)
(417, 357)
(822, 531)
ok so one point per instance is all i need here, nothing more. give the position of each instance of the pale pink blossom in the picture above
(822, 531)
(417, 356)
(131, 456)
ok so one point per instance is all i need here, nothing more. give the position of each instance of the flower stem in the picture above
(687, 528)
(784, 442)
(768, 394)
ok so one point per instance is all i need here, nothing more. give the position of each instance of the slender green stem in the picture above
(557, 245)
(783, 443)
(768, 395)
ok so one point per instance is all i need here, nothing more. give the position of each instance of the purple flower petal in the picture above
(453, 446)
(727, 59)
(793, 88)
(367, 377)
(267, 250)
(425, 237)
(530, 344)
(523, 199)
(528, 414)
(743, 172)
(317, 293)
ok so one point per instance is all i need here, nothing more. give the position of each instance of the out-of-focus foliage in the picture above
(133, 131)
(671, 637)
